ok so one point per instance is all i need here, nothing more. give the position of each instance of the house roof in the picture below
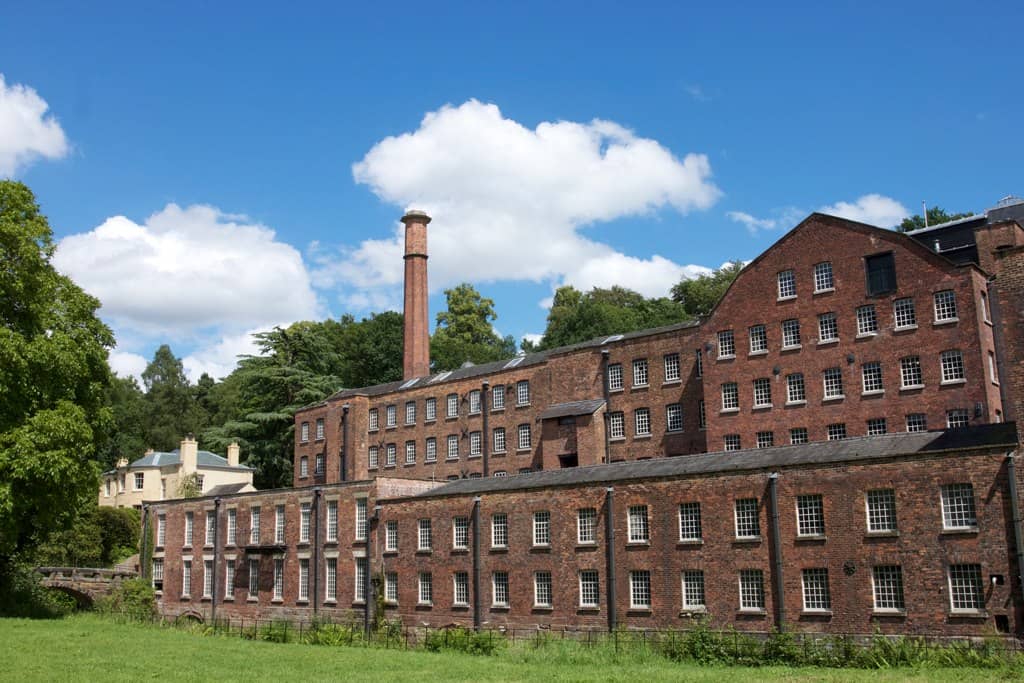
(588, 407)
(226, 489)
(862, 449)
(204, 460)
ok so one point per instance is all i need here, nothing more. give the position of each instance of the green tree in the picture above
(53, 383)
(128, 432)
(370, 350)
(172, 409)
(936, 215)
(700, 294)
(464, 331)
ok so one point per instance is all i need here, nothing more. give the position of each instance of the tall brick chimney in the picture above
(416, 357)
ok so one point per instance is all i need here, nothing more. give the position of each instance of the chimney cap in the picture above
(416, 216)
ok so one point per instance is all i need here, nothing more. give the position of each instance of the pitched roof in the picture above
(588, 407)
(204, 459)
(226, 489)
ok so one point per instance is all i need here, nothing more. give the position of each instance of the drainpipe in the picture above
(780, 599)
(216, 556)
(368, 577)
(485, 438)
(605, 353)
(144, 544)
(343, 465)
(476, 563)
(316, 549)
(609, 549)
(1018, 521)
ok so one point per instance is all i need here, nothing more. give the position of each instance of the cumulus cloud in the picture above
(27, 132)
(512, 203)
(751, 223)
(127, 364)
(873, 209)
(219, 358)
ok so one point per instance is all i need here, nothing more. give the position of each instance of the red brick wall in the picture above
(1007, 299)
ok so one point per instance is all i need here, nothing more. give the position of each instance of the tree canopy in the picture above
(464, 331)
(936, 215)
(700, 294)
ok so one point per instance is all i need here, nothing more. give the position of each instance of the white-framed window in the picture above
(431, 454)
(523, 392)
(702, 415)
(254, 578)
(617, 425)
(787, 284)
(867, 320)
(674, 417)
(254, 525)
(640, 589)
(672, 367)
(229, 579)
(810, 515)
(917, 422)
(410, 412)
(823, 280)
(837, 431)
(278, 579)
(305, 512)
(319, 429)
(765, 439)
(790, 333)
(391, 588)
(475, 444)
(426, 589)
(108, 487)
(910, 372)
(640, 372)
(952, 366)
(762, 392)
(460, 533)
(871, 377)
(207, 579)
(304, 466)
(373, 420)
(186, 578)
(985, 312)
(639, 530)
(332, 521)
(966, 591)
(140, 480)
(161, 530)
(361, 519)
(689, 522)
(542, 589)
(279, 524)
(453, 447)
(121, 484)
(319, 463)
(958, 510)
(945, 306)
(877, 426)
(828, 327)
(798, 435)
(615, 377)
(499, 530)
(452, 403)
(957, 417)
(748, 522)
(887, 588)
(523, 437)
(816, 593)
(303, 579)
(903, 313)
(157, 572)
(542, 528)
(430, 409)
(642, 421)
(474, 402)
(758, 339)
(732, 442)
(795, 390)
(460, 588)
(730, 396)
(833, 383)
(499, 589)
(410, 452)
(392, 416)
(586, 525)
(390, 455)
(993, 372)
(304, 432)
(391, 536)
(188, 528)
(726, 344)
(331, 579)
(589, 588)
(359, 594)
(498, 436)
(373, 456)
(751, 589)
(424, 536)
(693, 589)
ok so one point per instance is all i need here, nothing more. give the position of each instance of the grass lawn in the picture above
(88, 647)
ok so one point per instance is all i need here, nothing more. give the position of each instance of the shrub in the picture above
(459, 639)
(22, 594)
(132, 598)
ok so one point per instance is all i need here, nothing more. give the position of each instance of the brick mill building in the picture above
(832, 449)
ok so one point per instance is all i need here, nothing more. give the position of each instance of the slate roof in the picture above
(226, 489)
(824, 453)
(588, 407)
(204, 459)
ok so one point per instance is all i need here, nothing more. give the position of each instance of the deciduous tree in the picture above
(700, 294)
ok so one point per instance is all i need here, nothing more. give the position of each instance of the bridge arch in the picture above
(82, 599)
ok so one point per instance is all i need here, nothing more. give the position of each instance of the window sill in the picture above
(451, 418)
(522, 405)
(948, 321)
(671, 382)
(451, 458)
(540, 548)
(543, 608)
(829, 399)
(430, 421)
(791, 347)
(905, 328)
(882, 534)
(371, 430)
(330, 601)
(786, 298)
(459, 551)
(751, 612)
(523, 450)
(965, 531)
(690, 612)
(430, 462)
(588, 545)
(724, 411)
(501, 452)
(674, 431)
(498, 410)
(762, 352)
(968, 614)
(409, 464)
(731, 356)
(425, 605)
(796, 403)
(690, 542)
(390, 428)
(252, 599)
(873, 392)
(866, 335)
(616, 390)
(277, 601)
(588, 609)
(302, 601)
(816, 613)
(747, 539)
(827, 290)
(811, 537)
(639, 611)
(457, 605)
(499, 548)
(474, 413)
(639, 386)
(641, 437)
(474, 456)
(901, 613)
(766, 406)
(424, 551)
(638, 544)
(499, 608)
(827, 342)
(951, 382)
(391, 552)
(912, 387)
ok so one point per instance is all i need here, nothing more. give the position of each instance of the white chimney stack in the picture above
(189, 454)
(233, 454)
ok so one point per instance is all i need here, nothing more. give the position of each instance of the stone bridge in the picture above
(83, 584)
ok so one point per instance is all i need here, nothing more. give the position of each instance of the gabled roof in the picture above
(572, 408)
(204, 460)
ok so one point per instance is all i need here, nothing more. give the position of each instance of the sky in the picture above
(215, 169)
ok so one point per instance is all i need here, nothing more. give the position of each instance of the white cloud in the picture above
(127, 364)
(697, 93)
(511, 203)
(219, 359)
(533, 337)
(873, 209)
(27, 132)
(752, 224)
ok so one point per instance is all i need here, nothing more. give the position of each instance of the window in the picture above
(880, 271)
(452, 405)
(161, 531)
(109, 485)
(833, 379)
(426, 589)
(303, 579)
(639, 532)
(702, 416)
(965, 588)
(359, 594)
(319, 463)
(903, 312)
(956, 418)
(993, 373)
(836, 431)
(828, 328)
(586, 525)
(186, 578)
(431, 455)
(790, 333)
(730, 396)
(390, 455)
(453, 447)
(823, 280)
(589, 589)
(910, 372)
(917, 422)
(254, 578)
(460, 592)
(499, 439)
(642, 420)
(498, 397)
(474, 402)
(430, 409)
(945, 306)
(871, 378)
(765, 439)
(331, 583)
(700, 364)
(140, 480)
(748, 524)
(758, 339)
(424, 537)
(361, 522)
(616, 425)
(278, 579)
(319, 429)
(523, 392)
(810, 516)
(985, 312)
(392, 416)
(304, 466)
(410, 412)
(460, 533)
(332, 521)
(207, 578)
(693, 590)
(762, 393)
(523, 433)
(391, 536)
(410, 452)
(304, 515)
(795, 390)
(640, 372)
(372, 456)
(120, 486)
(876, 426)
(798, 435)
(672, 367)
(254, 526)
(475, 444)
(615, 377)
(499, 589)
(887, 586)
(674, 417)
(188, 528)
(542, 528)
(304, 432)
(391, 588)
(816, 593)
(952, 366)
(542, 589)
(867, 321)
(640, 589)
(787, 284)
(958, 507)
(499, 530)
(158, 574)
(689, 522)
(732, 442)
(726, 344)
(199, 482)
(374, 420)
(751, 590)
(279, 524)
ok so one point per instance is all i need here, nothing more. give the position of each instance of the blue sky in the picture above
(218, 168)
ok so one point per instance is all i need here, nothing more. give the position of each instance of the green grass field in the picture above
(88, 647)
